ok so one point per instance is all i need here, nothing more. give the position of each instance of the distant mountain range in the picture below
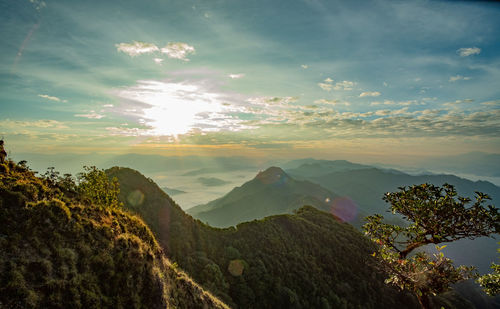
(366, 187)
(349, 190)
(271, 192)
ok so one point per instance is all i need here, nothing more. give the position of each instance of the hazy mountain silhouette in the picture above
(271, 192)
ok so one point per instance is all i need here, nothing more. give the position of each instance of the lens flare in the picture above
(344, 208)
(236, 267)
(135, 198)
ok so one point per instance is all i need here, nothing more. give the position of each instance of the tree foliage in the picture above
(95, 187)
(491, 282)
(435, 215)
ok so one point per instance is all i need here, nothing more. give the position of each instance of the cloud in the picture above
(136, 48)
(178, 50)
(38, 4)
(91, 115)
(43, 124)
(370, 94)
(468, 51)
(273, 101)
(344, 85)
(116, 131)
(334, 102)
(491, 103)
(236, 76)
(304, 66)
(458, 102)
(52, 98)
(458, 77)
(324, 86)
(158, 60)
(401, 103)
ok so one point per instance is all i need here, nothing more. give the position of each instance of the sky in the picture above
(388, 80)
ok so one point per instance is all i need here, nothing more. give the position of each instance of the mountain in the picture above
(313, 168)
(171, 191)
(211, 181)
(58, 252)
(367, 186)
(303, 260)
(271, 192)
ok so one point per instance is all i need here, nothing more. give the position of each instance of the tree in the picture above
(491, 282)
(95, 187)
(435, 215)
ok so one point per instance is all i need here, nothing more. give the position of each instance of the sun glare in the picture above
(175, 108)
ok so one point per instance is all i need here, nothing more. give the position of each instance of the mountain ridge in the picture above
(270, 192)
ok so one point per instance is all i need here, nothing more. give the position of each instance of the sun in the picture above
(171, 109)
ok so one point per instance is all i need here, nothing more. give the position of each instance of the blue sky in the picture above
(329, 79)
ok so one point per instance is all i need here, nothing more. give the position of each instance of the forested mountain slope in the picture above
(303, 260)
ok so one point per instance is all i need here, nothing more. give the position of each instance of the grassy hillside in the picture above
(271, 192)
(302, 260)
(57, 252)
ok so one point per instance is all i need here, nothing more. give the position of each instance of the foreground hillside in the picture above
(302, 260)
(57, 252)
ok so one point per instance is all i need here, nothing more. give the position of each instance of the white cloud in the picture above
(107, 105)
(273, 101)
(52, 98)
(369, 94)
(468, 51)
(178, 50)
(327, 87)
(38, 4)
(491, 103)
(401, 103)
(458, 102)
(91, 115)
(43, 124)
(344, 85)
(158, 60)
(116, 131)
(236, 76)
(458, 77)
(136, 48)
(332, 102)
(304, 66)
